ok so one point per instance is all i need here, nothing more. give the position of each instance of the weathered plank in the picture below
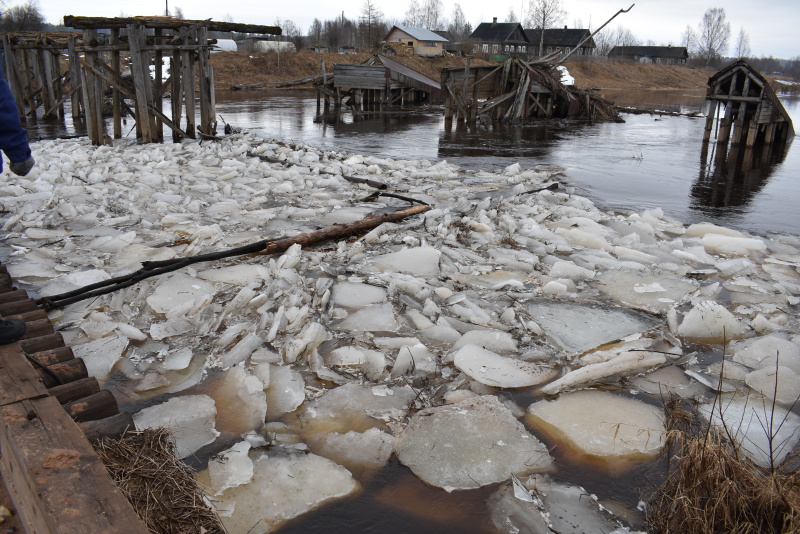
(56, 481)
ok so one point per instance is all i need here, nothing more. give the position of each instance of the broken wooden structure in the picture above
(517, 90)
(94, 59)
(752, 115)
(380, 81)
(49, 406)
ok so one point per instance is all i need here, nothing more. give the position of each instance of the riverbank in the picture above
(233, 68)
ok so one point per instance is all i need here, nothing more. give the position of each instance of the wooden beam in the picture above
(82, 23)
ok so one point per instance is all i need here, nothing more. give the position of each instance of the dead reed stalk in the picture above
(160, 487)
(710, 489)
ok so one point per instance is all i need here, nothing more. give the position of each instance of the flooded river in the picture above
(650, 160)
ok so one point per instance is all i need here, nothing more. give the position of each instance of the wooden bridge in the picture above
(94, 59)
(752, 109)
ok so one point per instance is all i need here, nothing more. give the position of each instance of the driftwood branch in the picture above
(267, 246)
(562, 60)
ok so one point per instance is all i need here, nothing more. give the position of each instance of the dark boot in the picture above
(11, 331)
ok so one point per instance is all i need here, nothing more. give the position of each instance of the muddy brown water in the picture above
(650, 160)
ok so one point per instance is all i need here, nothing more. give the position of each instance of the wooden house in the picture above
(424, 43)
(498, 40)
(560, 40)
(651, 54)
(752, 109)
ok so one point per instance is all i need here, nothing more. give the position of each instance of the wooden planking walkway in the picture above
(55, 479)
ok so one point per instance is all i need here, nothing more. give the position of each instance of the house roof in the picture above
(498, 32)
(420, 34)
(560, 36)
(677, 52)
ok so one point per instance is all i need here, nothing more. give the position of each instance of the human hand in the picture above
(21, 168)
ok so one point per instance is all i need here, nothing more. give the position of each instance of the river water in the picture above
(650, 160)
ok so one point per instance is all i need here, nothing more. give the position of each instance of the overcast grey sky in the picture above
(770, 24)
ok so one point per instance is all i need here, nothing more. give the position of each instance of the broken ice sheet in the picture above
(577, 328)
(355, 295)
(602, 425)
(72, 281)
(709, 321)
(356, 451)
(282, 487)
(190, 419)
(230, 468)
(176, 290)
(469, 444)
(494, 370)
(101, 354)
(419, 261)
(651, 291)
(375, 318)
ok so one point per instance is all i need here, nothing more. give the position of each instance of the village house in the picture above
(497, 40)
(650, 54)
(424, 42)
(561, 40)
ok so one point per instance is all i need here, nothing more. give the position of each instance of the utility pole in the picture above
(166, 11)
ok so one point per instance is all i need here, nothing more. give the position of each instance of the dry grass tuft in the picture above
(711, 489)
(161, 488)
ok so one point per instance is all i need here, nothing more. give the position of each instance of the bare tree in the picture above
(610, 37)
(413, 16)
(370, 22)
(459, 29)
(511, 17)
(713, 34)
(431, 14)
(179, 13)
(742, 44)
(544, 14)
(315, 32)
(689, 38)
(24, 17)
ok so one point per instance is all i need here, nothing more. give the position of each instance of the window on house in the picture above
(549, 49)
(522, 49)
(495, 48)
(566, 50)
(430, 44)
(486, 48)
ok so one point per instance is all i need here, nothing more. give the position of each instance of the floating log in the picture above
(268, 246)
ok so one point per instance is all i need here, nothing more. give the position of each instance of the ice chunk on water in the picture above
(625, 363)
(469, 444)
(493, 340)
(240, 275)
(357, 450)
(375, 318)
(180, 359)
(352, 407)
(283, 487)
(733, 245)
(494, 370)
(568, 269)
(668, 380)
(72, 281)
(602, 425)
(553, 508)
(577, 328)
(242, 404)
(240, 352)
(746, 420)
(419, 261)
(176, 290)
(782, 384)
(313, 335)
(354, 295)
(190, 419)
(370, 362)
(415, 359)
(764, 352)
(710, 321)
(286, 390)
(101, 354)
(651, 291)
(167, 329)
(230, 468)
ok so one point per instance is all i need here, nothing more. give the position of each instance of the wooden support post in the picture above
(140, 70)
(176, 93)
(75, 77)
(91, 106)
(9, 64)
(158, 93)
(208, 123)
(46, 72)
(710, 121)
(187, 61)
(752, 133)
(725, 125)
